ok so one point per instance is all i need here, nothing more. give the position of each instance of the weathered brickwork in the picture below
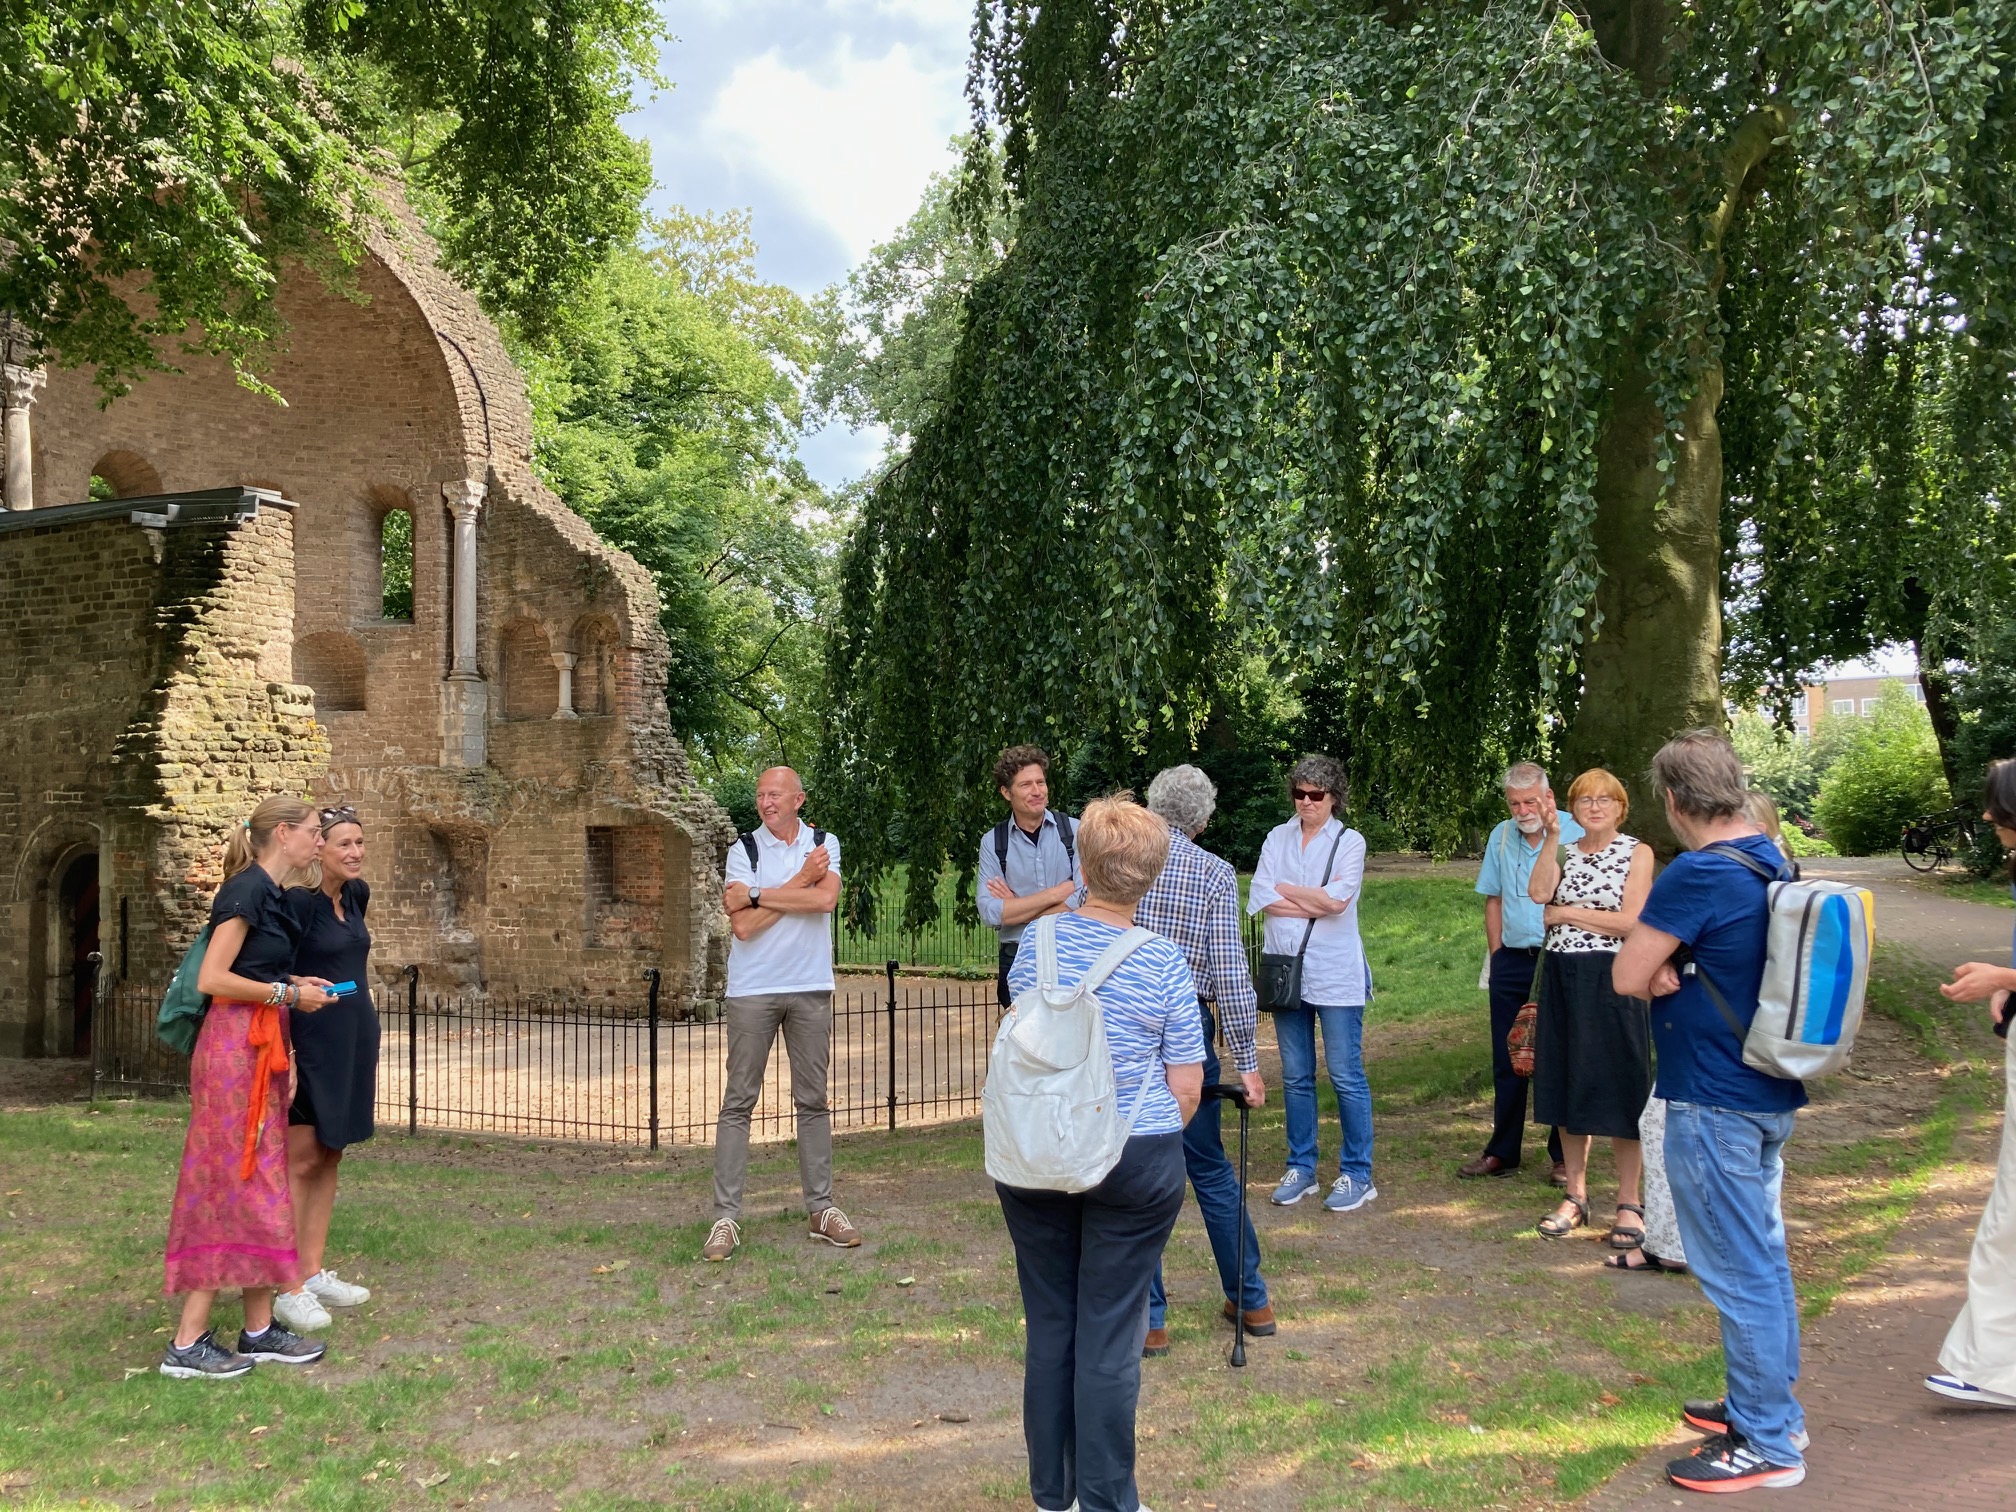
(139, 719)
(479, 825)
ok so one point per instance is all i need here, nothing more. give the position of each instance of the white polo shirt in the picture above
(796, 953)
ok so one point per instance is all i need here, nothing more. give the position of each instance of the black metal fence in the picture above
(903, 1053)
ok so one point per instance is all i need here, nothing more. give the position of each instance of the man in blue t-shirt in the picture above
(1726, 1124)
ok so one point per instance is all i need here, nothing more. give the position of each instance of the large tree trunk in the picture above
(1655, 666)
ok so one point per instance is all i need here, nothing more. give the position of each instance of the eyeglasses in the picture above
(1309, 795)
(1593, 798)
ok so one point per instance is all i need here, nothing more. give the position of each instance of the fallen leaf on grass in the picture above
(1608, 1400)
(133, 1370)
(906, 1280)
(263, 1428)
(15, 1480)
(611, 1268)
(960, 1417)
(428, 1482)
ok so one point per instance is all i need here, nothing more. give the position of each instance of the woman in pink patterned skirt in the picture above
(232, 1223)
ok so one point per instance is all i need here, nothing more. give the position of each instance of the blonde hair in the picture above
(254, 836)
(1764, 814)
(1598, 782)
(1122, 848)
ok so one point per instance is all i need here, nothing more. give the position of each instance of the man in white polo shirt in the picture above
(783, 882)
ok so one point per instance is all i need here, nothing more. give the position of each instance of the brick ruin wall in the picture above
(140, 717)
(484, 875)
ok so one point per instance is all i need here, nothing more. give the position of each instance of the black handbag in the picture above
(1280, 983)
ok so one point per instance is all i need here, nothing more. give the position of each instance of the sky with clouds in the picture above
(824, 118)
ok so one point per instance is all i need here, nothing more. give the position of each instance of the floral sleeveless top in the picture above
(1591, 881)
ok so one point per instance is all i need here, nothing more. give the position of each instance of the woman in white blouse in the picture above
(1307, 885)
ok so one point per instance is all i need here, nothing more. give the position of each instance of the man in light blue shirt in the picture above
(1029, 861)
(1514, 929)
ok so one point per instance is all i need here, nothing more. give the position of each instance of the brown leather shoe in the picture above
(1559, 1175)
(722, 1240)
(1157, 1343)
(1485, 1165)
(1259, 1320)
(831, 1225)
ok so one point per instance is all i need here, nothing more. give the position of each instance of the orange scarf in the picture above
(264, 1036)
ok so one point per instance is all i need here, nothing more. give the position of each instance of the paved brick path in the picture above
(1881, 1441)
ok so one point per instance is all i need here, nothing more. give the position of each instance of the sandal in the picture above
(1628, 1238)
(1646, 1261)
(1554, 1226)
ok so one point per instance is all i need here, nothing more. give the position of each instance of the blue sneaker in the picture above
(1348, 1194)
(1296, 1185)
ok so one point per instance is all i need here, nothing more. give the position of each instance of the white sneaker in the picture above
(332, 1290)
(300, 1312)
(1963, 1391)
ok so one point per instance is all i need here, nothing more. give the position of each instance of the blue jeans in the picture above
(1727, 1171)
(1216, 1182)
(1343, 1033)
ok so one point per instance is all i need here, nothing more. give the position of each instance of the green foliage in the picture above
(395, 565)
(1887, 777)
(1778, 762)
(665, 411)
(1984, 697)
(161, 159)
(1306, 344)
(892, 327)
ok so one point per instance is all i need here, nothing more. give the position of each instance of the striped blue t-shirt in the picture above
(1150, 1000)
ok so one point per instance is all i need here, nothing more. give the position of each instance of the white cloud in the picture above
(852, 144)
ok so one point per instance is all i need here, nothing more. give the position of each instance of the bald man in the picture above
(782, 883)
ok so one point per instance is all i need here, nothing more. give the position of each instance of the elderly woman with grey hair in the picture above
(1307, 885)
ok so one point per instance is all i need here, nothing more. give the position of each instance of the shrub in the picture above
(1887, 777)
(1802, 844)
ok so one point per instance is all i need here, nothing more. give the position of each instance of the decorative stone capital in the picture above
(464, 497)
(564, 660)
(23, 384)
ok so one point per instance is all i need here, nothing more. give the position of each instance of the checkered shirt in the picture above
(1195, 902)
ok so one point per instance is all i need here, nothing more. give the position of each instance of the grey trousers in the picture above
(806, 1019)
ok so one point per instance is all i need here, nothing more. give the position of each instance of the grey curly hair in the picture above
(1325, 772)
(1184, 796)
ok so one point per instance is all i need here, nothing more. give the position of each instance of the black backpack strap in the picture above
(1067, 828)
(1001, 845)
(818, 837)
(749, 847)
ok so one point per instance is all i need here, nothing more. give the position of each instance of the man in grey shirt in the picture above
(1029, 861)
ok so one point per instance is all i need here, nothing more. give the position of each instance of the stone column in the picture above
(465, 696)
(23, 384)
(465, 501)
(564, 660)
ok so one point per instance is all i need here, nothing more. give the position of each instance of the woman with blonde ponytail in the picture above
(233, 1223)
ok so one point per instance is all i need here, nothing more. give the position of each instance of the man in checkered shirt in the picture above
(1195, 902)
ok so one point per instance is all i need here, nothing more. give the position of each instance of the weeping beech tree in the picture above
(1399, 345)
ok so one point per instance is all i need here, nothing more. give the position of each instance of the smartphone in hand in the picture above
(340, 989)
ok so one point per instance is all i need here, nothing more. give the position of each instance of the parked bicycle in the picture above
(1929, 843)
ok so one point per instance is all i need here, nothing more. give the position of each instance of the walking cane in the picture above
(1236, 1095)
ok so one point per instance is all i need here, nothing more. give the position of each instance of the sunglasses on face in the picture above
(1308, 795)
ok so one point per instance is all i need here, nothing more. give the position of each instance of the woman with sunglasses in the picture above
(1307, 884)
(1592, 1047)
(335, 1060)
(1978, 1359)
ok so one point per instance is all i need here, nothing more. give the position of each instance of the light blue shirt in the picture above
(1149, 1005)
(1034, 863)
(1508, 871)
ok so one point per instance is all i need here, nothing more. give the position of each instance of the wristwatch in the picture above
(755, 897)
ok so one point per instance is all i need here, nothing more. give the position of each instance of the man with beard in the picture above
(1514, 927)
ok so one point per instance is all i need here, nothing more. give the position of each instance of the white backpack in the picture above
(1049, 1114)
(1816, 973)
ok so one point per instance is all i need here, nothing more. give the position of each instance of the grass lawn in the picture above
(543, 1338)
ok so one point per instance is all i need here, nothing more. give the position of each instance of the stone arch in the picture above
(525, 666)
(390, 554)
(124, 475)
(332, 664)
(56, 867)
(598, 657)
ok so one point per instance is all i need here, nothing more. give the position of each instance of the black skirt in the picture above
(1592, 1049)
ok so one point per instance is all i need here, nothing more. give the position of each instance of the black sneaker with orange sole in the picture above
(1727, 1463)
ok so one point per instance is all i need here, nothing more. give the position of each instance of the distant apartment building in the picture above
(1846, 695)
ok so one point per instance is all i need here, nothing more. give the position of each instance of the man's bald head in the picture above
(779, 796)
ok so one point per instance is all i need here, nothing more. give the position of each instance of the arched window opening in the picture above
(395, 565)
(531, 681)
(124, 475)
(595, 668)
(332, 664)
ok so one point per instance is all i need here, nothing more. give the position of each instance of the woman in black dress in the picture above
(335, 1059)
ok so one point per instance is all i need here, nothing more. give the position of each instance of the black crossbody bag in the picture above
(1280, 984)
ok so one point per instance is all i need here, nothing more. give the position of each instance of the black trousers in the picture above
(1511, 983)
(1085, 1260)
(1004, 960)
